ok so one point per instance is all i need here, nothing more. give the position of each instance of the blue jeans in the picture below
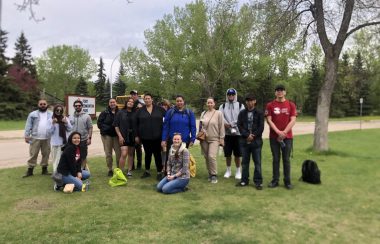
(69, 179)
(253, 148)
(173, 186)
(277, 151)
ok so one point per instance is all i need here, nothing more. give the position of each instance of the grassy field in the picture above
(343, 209)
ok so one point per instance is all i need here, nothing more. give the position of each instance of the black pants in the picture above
(152, 147)
(138, 149)
(254, 149)
(277, 150)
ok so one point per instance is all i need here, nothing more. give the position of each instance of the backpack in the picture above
(172, 112)
(240, 104)
(192, 166)
(311, 172)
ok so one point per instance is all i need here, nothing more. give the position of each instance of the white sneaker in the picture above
(238, 174)
(228, 173)
(214, 179)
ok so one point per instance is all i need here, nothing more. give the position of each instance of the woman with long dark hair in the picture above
(71, 160)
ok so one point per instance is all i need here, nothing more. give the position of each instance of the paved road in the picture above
(14, 151)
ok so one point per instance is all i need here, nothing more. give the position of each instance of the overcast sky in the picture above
(102, 27)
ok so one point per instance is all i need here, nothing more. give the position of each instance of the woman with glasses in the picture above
(178, 173)
(61, 126)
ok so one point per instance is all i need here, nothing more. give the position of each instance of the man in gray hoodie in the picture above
(231, 109)
(82, 123)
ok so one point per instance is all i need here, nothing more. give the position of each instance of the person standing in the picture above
(61, 126)
(178, 173)
(251, 127)
(37, 135)
(179, 120)
(211, 122)
(137, 104)
(230, 110)
(108, 134)
(149, 120)
(82, 123)
(281, 116)
(124, 126)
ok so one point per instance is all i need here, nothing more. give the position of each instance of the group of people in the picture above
(165, 132)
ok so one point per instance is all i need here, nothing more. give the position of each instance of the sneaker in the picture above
(214, 179)
(289, 186)
(228, 173)
(28, 173)
(110, 173)
(160, 176)
(56, 187)
(238, 174)
(45, 171)
(129, 174)
(242, 183)
(259, 187)
(145, 175)
(209, 178)
(273, 184)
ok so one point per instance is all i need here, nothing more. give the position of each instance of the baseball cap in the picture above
(231, 91)
(279, 87)
(133, 92)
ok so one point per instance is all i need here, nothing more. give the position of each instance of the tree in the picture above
(119, 86)
(60, 68)
(100, 82)
(330, 20)
(23, 56)
(3, 46)
(313, 87)
(362, 84)
(107, 92)
(81, 88)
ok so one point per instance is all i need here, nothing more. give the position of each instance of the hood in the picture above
(235, 99)
(181, 148)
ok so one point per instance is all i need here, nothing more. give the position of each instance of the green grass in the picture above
(343, 209)
(12, 124)
(356, 118)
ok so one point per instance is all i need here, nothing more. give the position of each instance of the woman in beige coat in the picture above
(211, 122)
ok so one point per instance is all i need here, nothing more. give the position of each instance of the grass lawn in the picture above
(344, 209)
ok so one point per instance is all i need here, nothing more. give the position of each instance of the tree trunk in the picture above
(324, 101)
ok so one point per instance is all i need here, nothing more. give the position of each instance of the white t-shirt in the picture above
(42, 126)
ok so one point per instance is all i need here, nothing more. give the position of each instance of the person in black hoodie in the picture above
(251, 126)
(108, 134)
(71, 160)
(149, 121)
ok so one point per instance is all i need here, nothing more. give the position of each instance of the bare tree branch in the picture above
(28, 4)
(361, 26)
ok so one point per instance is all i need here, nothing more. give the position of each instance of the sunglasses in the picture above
(77, 106)
(230, 94)
(42, 104)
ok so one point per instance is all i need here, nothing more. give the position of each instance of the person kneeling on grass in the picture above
(178, 173)
(70, 163)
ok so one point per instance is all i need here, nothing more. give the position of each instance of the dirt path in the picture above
(14, 151)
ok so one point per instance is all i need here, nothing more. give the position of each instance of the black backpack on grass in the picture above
(311, 172)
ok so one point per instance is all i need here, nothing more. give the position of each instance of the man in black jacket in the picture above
(251, 126)
(108, 134)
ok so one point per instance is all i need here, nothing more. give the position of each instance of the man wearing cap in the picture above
(138, 148)
(230, 110)
(281, 116)
(251, 127)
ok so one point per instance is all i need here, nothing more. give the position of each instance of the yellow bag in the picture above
(192, 166)
(118, 178)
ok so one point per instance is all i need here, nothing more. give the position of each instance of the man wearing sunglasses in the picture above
(37, 135)
(82, 123)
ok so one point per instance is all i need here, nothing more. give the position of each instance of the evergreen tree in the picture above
(361, 82)
(100, 82)
(313, 86)
(3, 47)
(340, 103)
(119, 86)
(23, 56)
(81, 88)
(107, 92)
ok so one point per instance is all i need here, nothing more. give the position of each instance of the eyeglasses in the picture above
(77, 106)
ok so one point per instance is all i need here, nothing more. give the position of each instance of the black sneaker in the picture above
(159, 176)
(241, 184)
(110, 173)
(273, 184)
(145, 175)
(45, 171)
(259, 187)
(289, 186)
(56, 187)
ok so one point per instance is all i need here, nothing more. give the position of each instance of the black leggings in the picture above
(152, 147)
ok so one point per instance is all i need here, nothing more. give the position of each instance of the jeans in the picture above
(173, 186)
(253, 148)
(285, 151)
(69, 179)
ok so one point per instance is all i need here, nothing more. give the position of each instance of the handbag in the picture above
(201, 135)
